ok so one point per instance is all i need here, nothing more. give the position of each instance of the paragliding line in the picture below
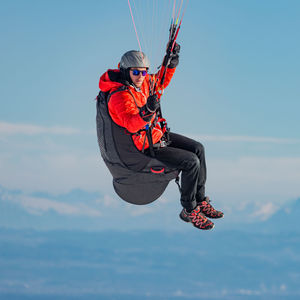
(137, 36)
(178, 28)
(173, 15)
(179, 10)
(174, 30)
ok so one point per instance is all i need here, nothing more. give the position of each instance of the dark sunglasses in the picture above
(137, 72)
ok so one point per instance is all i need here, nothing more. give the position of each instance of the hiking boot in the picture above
(196, 218)
(207, 209)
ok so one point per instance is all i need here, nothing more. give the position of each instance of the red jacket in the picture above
(122, 107)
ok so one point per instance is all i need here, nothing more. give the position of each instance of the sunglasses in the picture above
(137, 72)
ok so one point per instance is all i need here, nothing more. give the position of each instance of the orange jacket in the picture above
(123, 109)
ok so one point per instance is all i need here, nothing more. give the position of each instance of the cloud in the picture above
(109, 202)
(265, 210)
(38, 206)
(55, 172)
(249, 188)
(248, 292)
(7, 128)
(140, 210)
(244, 139)
(77, 203)
(29, 129)
(256, 178)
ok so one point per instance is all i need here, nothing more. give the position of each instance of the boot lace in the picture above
(207, 208)
(197, 217)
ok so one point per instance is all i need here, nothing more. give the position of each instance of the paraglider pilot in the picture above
(136, 108)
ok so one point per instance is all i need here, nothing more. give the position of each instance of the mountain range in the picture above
(82, 210)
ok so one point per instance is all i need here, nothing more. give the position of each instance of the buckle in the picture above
(163, 144)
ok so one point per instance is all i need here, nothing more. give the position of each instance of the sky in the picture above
(236, 90)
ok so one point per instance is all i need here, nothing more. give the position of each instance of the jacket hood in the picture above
(111, 80)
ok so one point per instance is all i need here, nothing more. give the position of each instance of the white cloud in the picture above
(265, 210)
(135, 210)
(244, 139)
(109, 202)
(283, 287)
(38, 205)
(249, 292)
(254, 179)
(179, 293)
(29, 129)
(54, 173)
(7, 128)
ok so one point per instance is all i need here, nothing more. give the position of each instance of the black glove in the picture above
(153, 103)
(176, 49)
(174, 57)
(147, 111)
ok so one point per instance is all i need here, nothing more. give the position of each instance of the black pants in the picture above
(188, 156)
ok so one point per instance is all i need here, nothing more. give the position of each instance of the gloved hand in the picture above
(153, 103)
(176, 49)
(147, 111)
(174, 57)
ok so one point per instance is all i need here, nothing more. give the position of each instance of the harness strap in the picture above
(148, 130)
(130, 92)
(150, 141)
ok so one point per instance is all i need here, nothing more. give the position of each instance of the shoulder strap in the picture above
(120, 89)
(124, 88)
(130, 92)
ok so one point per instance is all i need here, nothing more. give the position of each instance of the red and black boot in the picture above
(196, 218)
(207, 209)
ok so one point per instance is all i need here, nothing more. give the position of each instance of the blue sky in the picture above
(236, 90)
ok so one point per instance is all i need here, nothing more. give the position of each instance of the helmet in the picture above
(134, 59)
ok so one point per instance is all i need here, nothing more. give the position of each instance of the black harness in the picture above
(137, 178)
